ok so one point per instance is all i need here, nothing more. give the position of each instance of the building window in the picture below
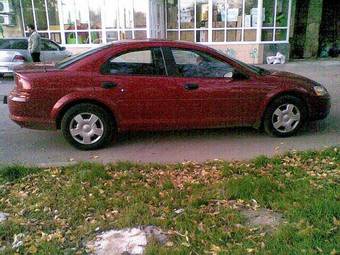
(69, 14)
(267, 35)
(27, 11)
(269, 7)
(40, 14)
(172, 35)
(53, 15)
(234, 14)
(88, 23)
(172, 14)
(95, 14)
(82, 16)
(125, 14)
(226, 20)
(96, 37)
(204, 21)
(140, 12)
(187, 36)
(111, 36)
(56, 37)
(275, 20)
(195, 16)
(187, 14)
(111, 14)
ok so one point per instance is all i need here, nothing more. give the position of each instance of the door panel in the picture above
(215, 101)
(142, 102)
(143, 96)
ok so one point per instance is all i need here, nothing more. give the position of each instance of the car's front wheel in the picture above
(87, 126)
(285, 116)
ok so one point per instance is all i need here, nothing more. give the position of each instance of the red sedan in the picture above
(159, 85)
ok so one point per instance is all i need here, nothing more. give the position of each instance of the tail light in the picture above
(22, 83)
(22, 91)
(19, 58)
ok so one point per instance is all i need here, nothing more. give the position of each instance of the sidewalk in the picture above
(306, 63)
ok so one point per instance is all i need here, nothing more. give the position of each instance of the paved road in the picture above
(44, 148)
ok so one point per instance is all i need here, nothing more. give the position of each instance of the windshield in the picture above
(75, 58)
(252, 68)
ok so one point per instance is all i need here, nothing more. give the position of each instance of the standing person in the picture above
(34, 43)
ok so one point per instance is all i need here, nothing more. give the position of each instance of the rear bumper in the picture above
(3, 99)
(19, 112)
(8, 67)
(32, 123)
(319, 108)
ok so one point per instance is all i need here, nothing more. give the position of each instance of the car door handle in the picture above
(191, 86)
(109, 85)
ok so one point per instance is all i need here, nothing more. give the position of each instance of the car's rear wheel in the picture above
(285, 116)
(87, 126)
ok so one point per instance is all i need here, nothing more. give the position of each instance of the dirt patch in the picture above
(255, 216)
(264, 218)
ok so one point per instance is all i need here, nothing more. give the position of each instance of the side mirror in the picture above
(62, 48)
(229, 75)
(237, 75)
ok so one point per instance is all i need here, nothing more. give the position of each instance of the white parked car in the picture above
(13, 52)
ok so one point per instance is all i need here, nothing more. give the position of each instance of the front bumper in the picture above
(319, 107)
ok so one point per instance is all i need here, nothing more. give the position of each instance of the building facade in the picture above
(248, 30)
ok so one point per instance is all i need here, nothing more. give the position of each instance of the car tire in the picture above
(88, 127)
(285, 116)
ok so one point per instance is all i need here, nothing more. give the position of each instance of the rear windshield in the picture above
(75, 58)
(13, 44)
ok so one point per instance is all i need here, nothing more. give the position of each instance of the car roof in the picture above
(135, 41)
(159, 43)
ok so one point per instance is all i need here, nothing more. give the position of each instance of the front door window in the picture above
(198, 64)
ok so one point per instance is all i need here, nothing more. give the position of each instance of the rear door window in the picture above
(138, 62)
(13, 44)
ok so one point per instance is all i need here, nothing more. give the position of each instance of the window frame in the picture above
(152, 49)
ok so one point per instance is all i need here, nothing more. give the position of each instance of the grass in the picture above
(59, 209)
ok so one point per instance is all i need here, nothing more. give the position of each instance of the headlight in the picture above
(320, 91)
